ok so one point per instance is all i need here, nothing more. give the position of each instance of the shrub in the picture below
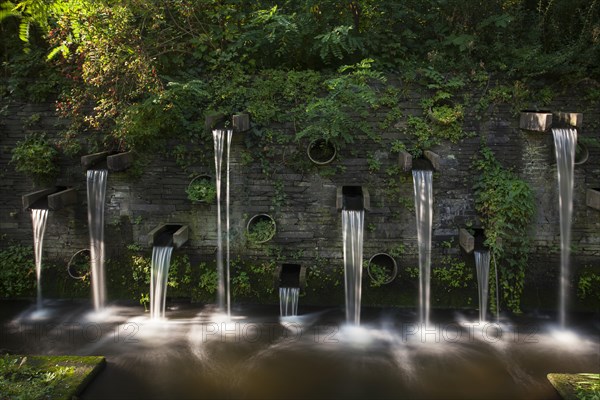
(36, 157)
(17, 271)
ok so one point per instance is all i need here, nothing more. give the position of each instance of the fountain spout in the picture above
(423, 190)
(173, 235)
(54, 198)
(291, 278)
(353, 201)
(163, 239)
(351, 197)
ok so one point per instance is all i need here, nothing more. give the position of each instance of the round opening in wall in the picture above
(261, 228)
(202, 189)
(382, 269)
(581, 154)
(79, 264)
(321, 151)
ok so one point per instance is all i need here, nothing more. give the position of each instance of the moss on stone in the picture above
(55, 377)
(576, 386)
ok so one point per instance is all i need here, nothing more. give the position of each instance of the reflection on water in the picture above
(196, 353)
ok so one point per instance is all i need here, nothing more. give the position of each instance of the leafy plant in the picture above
(380, 274)
(36, 157)
(452, 273)
(261, 230)
(341, 114)
(140, 270)
(208, 283)
(588, 284)
(505, 204)
(17, 271)
(202, 191)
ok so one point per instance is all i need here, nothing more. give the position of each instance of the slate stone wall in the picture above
(304, 204)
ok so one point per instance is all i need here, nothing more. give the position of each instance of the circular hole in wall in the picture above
(581, 154)
(382, 268)
(321, 151)
(260, 228)
(79, 264)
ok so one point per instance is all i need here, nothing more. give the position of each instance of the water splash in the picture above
(423, 184)
(223, 289)
(565, 142)
(352, 232)
(96, 193)
(159, 273)
(38, 219)
(482, 266)
(288, 301)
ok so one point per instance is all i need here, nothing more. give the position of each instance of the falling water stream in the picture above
(482, 266)
(38, 219)
(161, 259)
(424, 211)
(352, 231)
(224, 296)
(96, 193)
(565, 142)
(288, 301)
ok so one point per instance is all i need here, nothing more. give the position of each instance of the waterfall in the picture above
(565, 141)
(288, 301)
(159, 273)
(424, 212)
(38, 219)
(223, 289)
(352, 231)
(482, 265)
(96, 192)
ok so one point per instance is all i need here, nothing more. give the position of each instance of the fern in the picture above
(337, 43)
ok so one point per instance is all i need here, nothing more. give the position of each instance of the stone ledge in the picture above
(535, 121)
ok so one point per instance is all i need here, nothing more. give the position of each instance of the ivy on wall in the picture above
(505, 205)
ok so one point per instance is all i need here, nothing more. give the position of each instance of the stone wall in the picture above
(304, 204)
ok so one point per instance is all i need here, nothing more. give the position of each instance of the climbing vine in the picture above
(505, 204)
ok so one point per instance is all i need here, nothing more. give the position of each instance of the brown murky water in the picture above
(195, 354)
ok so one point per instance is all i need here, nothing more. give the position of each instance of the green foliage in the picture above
(21, 380)
(442, 116)
(398, 250)
(337, 43)
(373, 162)
(208, 283)
(412, 272)
(322, 277)
(202, 191)
(17, 271)
(588, 388)
(36, 157)
(140, 270)
(379, 274)
(174, 113)
(451, 273)
(180, 281)
(341, 114)
(261, 230)
(588, 285)
(506, 207)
